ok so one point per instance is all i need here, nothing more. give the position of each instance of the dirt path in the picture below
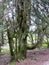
(40, 57)
(34, 57)
(4, 59)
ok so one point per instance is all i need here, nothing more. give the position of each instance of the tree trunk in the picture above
(10, 39)
(16, 50)
(23, 15)
(0, 49)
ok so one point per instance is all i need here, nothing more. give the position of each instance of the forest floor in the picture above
(34, 57)
(4, 59)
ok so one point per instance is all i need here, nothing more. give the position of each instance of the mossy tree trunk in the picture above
(11, 44)
(10, 35)
(23, 18)
(0, 48)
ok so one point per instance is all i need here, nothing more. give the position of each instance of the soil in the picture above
(34, 57)
(4, 59)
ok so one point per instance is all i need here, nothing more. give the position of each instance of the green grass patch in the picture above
(44, 45)
(5, 51)
(29, 45)
(12, 63)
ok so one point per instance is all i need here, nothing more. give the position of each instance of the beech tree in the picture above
(19, 16)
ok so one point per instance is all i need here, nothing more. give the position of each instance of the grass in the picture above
(12, 63)
(44, 45)
(29, 45)
(5, 51)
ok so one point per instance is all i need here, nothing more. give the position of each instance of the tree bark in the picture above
(10, 39)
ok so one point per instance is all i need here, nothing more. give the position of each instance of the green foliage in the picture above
(30, 45)
(44, 45)
(20, 56)
(12, 63)
(20, 30)
(1, 8)
(4, 51)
